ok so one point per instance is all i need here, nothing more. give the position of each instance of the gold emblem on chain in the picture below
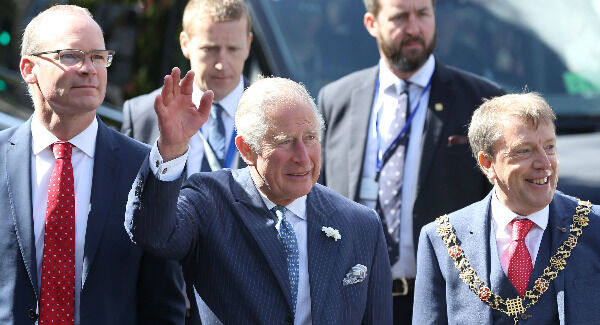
(516, 306)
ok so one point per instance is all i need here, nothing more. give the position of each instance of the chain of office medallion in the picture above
(514, 307)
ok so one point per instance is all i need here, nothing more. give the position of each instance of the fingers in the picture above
(206, 103)
(167, 90)
(187, 85)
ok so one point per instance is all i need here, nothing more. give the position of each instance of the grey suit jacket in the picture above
(572, 298)
(448, 177)
(224, 236)
(120, 283)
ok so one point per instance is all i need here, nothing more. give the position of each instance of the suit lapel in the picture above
(323, 252)
(360, 108)
(259, 222)
(474, 238)
(442, 93)
(18, 173)
(560, 216)
(106, 163)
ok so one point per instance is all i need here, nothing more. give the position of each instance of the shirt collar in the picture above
(84, 141)
(229, 102)
(298, 206)
(502, 215)
(420, 78)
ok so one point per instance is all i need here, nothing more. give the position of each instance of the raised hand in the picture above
(178, 118)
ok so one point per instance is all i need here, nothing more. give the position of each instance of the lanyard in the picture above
(380, 154)
(210, 155)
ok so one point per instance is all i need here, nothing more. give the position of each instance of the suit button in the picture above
(32, 315)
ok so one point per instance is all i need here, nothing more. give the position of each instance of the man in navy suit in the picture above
(104, 278)
(526, 252)
(263, 244)
(413, 99)
(216, 40)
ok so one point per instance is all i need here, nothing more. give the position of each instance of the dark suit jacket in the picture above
(141, 123)
(222, 232)
(441, 297)
(448, 177)
(121, 283)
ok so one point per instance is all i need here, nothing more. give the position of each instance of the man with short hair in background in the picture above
(64, 179)
(216, 39)
(396, 134)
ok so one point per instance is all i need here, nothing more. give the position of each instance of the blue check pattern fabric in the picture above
(290, 244)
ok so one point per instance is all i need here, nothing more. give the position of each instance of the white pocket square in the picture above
(357, 274)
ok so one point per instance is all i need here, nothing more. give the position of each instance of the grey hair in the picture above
(31, 41)
(485, 128)
(265, 94)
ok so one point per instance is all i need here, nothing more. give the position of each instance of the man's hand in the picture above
(178, 117)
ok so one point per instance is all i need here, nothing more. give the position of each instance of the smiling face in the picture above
(524, 168)
(217, 52)
(405, 33)
(289, 162)
(61, 90)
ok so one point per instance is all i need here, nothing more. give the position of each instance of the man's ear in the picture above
(370, 22)
(485, 162)
(28, 69)
(246, 152)
(185, 42)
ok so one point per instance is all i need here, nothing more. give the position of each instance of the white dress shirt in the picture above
(296, 215)
(406, 266)
(42, 164)
(502, 217)
(229, 104)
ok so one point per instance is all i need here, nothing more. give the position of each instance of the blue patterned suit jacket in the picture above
(120, 283)
(224, 236)
(441, 297)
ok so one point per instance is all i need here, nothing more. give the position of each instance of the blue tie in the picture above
(288, 239)
(216, 138)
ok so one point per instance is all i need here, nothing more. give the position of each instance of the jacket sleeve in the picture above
(430, 287)
(379, 301)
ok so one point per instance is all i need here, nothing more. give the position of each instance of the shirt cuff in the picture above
(166, 171)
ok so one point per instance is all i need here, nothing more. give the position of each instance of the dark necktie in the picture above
(57, 292)
(519, 259)
(216, 138)
(389, 200)
(290, 244)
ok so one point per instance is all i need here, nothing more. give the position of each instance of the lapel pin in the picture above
(561, 229)
(438, 107)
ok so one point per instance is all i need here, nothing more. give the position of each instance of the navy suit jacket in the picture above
(120, 283)
(441, 297)
(448, 176)
(223, 234)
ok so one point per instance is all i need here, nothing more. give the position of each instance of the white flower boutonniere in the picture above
(331, 232)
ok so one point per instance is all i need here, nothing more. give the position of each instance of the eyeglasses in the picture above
(74, 57)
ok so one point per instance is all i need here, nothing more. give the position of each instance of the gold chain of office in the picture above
(516, 306)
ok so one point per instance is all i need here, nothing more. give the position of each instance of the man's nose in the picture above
(542, 160)
(411, 27)
(87, 65)
(221, 60)
(301, 152)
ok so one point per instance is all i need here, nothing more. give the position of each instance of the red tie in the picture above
(519, 260)
(57, 293)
